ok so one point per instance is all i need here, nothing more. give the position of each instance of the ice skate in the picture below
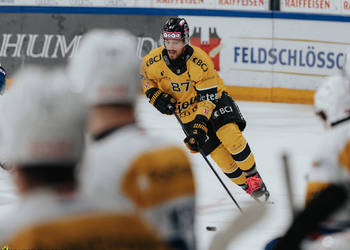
(256, 188)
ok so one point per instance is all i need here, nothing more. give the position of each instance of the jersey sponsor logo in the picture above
(168, 173)
(188, 112)
(212, 48)
(200, 63)
(222, 111)
(154, 59)
(184, 105)
(210, 94)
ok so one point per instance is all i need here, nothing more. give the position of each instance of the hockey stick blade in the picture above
(251, 215)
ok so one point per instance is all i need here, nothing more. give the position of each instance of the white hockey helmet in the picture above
(44, 121)
(333, 99)
(106, 67)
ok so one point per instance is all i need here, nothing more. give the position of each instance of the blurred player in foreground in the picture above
(44, 138)
(326, 218)
(125, 169)
(3, 76)
(181, 78)
(42, 142)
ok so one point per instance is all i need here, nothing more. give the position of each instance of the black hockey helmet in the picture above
(175, 28)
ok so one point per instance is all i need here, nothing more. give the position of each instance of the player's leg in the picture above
(228, 123)
(223, 159)
(233, 140)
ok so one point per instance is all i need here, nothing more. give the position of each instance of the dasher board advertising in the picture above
(260, 54)
(339, 7)
(176, 4)
(51, 39)
(265, 55)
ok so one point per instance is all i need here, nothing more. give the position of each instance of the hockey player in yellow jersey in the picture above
(181, 78)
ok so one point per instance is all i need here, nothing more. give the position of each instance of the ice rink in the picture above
(272, 128)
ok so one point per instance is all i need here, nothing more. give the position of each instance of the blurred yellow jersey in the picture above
(130, 170)
(91, 232)
(195, 86)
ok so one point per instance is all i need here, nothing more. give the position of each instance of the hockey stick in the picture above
(252, 215)
(211, 166)
(286, 170)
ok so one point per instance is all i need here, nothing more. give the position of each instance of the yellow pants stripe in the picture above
(233, 140)
(224, 160)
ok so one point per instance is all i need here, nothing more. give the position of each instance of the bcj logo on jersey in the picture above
(212, 48)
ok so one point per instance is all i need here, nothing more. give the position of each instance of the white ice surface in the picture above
(272, 128)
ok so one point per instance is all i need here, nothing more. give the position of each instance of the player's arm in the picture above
(317, 180)
(325, 168)
(208, 90)
(162, 101)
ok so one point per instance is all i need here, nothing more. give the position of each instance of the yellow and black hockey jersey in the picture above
(195, 86)
(130, 170)
(90, 231)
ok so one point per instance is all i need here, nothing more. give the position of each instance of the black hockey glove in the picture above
(198, 134)
(164, 102)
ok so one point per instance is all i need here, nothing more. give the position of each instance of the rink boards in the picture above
(261, 55)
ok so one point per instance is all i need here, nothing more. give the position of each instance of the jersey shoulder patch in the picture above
(153, 57)
(201, 59)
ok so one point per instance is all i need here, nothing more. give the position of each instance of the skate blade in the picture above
(263, 198)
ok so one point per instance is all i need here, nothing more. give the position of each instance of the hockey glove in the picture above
(164, 102)
(2, 80)
(198, 134)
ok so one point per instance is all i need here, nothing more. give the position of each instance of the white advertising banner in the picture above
(178, 4)
(256, 53)
(340, 7)
(213, 4)
(313, 50)
(225, 40)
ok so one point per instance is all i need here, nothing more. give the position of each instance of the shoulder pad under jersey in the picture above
(153, 57)
(201, 59)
